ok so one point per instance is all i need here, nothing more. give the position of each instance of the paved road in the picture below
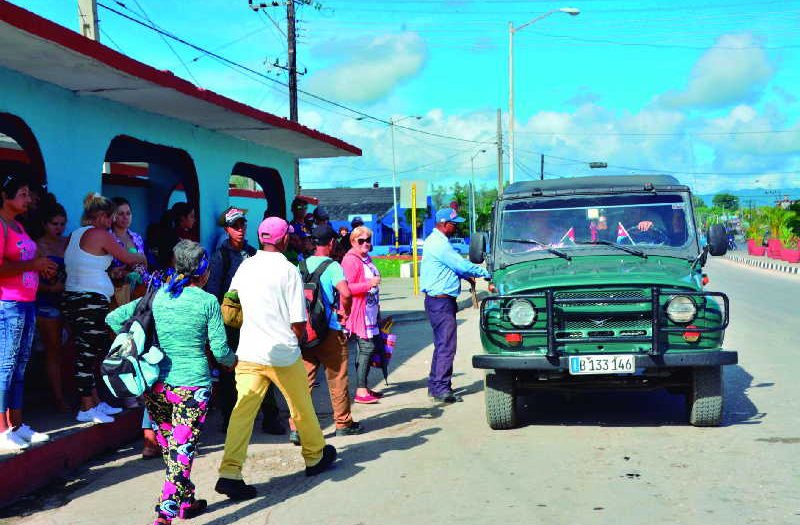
(611, 458)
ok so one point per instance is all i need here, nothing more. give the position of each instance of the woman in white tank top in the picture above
(87, 291)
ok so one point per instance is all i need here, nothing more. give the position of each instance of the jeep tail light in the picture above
(514, 339)
(690, 336)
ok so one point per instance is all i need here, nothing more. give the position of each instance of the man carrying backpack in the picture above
(224, 263)
(329, 347)
(274, 318)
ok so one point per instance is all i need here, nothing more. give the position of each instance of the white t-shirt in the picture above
(271, 293)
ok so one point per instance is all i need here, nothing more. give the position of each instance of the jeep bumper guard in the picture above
(658, 324)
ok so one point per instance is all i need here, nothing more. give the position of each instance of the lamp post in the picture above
(572, 11)
(472, 221)
(392, 123)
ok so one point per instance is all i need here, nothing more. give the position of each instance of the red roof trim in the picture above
(41, 27)
(241, 192)
(14, 155)
(127, 170)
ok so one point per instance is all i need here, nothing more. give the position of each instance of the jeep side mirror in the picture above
(477, 247)
(717, 240)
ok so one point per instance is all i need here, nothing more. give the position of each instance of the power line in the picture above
(276, 81)
(180, 59)
(657, 134)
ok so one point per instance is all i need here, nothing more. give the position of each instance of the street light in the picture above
(472, 193)
(392, 123)
(572, 11)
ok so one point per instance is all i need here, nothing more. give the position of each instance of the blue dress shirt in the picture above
(443, 267)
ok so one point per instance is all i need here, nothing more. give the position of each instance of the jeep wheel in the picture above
(705, 397)
(501, 401)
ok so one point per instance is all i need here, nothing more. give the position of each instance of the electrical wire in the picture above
(259, 74)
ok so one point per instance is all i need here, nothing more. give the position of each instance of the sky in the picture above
(708, 92)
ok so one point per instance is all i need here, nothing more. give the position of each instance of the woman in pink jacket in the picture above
(363, 279)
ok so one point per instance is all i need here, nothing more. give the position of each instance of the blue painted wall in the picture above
(74, 132)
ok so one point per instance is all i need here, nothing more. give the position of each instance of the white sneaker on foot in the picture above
(28, 434)
(107, 409)
(10, 442)
(93, 415)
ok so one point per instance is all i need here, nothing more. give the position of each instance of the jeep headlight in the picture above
(521, 313)
(681, 309)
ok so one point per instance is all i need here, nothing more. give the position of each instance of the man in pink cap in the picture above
(270, 290)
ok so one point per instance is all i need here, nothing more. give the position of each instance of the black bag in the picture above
(131, 367)
(317, 315)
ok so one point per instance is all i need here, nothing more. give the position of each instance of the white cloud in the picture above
(733, 71)
(373, 69)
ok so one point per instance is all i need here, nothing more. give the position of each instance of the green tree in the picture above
(698, 203)
(726, 201)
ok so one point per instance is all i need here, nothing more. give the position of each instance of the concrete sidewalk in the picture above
(766, 263)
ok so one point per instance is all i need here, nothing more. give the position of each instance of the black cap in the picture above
(356, 222)
(321, 213)
(323, 234)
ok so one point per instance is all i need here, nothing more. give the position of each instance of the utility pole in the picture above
(541, 167)
(499, 154)
(291, 36)
(87, 19)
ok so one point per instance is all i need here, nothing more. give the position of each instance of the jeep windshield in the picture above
(636, 224)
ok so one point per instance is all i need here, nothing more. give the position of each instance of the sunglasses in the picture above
(364, 241)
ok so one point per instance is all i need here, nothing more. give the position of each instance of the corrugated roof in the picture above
(342, 202)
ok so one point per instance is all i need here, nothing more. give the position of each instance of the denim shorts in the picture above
(17, 325)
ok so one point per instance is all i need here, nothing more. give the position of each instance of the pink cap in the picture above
(273, 229)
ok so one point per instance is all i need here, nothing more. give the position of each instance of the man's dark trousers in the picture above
(442, 316)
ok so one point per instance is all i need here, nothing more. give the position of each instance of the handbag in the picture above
(232, 310)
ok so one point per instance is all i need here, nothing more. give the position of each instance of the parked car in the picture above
(460, 245)
(599, 285)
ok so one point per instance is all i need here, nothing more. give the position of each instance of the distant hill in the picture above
(757, 196)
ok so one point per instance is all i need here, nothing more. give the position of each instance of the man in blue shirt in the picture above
(440, 280)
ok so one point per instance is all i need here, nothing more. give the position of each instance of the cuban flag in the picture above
(569, 235)
(622, 234)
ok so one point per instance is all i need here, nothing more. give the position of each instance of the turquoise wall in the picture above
(74, 131)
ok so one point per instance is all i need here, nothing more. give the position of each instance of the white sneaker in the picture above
(107, 409)
(28, 434)
(93, 415)
(10, 442)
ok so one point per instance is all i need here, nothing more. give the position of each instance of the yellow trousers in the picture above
(252, 381)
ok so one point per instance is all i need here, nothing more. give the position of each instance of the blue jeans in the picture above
(17, 323)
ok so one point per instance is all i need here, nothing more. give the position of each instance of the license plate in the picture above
(601, 364)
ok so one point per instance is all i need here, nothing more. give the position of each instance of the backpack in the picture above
(131, 367)
(317, 315)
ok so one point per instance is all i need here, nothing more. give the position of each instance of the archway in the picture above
(150, 176)
(260, 191)
(19, 149)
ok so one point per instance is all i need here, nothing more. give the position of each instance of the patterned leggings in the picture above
(177, 414)
(85, 312)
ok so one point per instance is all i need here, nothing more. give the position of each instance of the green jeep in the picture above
(598, 283)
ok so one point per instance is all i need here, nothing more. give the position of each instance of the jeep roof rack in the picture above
(594, 185)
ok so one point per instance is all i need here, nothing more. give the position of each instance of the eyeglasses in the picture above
(364, 241)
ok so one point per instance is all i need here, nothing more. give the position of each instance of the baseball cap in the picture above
(323, 234)
(448, 215)
(231, 215)
(273, 229)
(356, 222)
(321, 213)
